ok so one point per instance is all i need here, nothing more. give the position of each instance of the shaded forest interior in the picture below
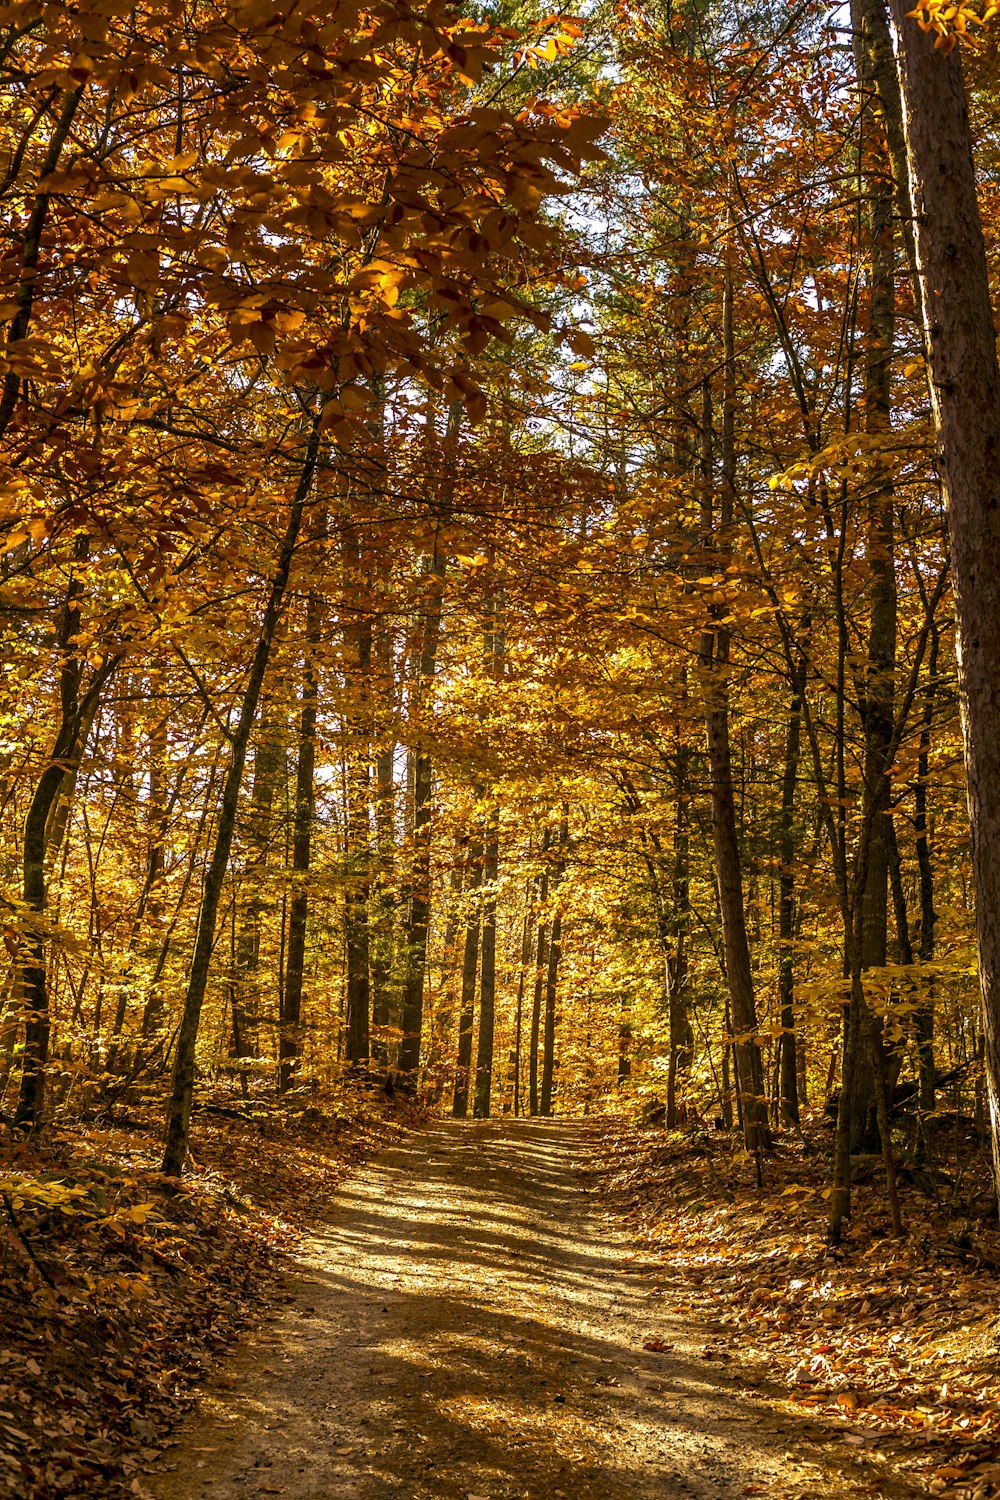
(493, 502)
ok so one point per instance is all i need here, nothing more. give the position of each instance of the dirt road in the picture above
(463, 1328)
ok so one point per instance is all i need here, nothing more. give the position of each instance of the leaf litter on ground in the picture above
(897, 1341)
(118, 1293)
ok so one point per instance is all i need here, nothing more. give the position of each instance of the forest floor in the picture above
(118, 1295)
(890, 1345)
(472, 1321)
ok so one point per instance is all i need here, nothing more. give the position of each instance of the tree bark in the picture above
(466, 1016)
(965, 394)
(357, 837)
(289, 1032)
(924, 1017)
(714, 665)
(76, 716)
(516, 1103)
(487, 974)
(178, 1123)
(552, 977)
(788, 1070)
(676, 965)
(541, 969)
(268, 758)
(878, 707)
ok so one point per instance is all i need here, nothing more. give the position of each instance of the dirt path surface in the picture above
(464, 1327)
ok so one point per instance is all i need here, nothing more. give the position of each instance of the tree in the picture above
(965, 394)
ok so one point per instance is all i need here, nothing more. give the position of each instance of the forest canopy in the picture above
(476, 580)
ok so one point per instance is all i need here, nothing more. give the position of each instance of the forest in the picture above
(500, 597)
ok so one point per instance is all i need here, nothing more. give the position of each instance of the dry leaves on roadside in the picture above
(893, 1338)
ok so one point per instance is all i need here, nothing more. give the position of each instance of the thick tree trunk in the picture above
(879, 703)
(178, 1123)
(965, 391)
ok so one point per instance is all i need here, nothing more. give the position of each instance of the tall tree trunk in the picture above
(516, 1100)
(965, 393)
(357, 835)
(924, 1018)
(418, 917)
(487, 973)
(493, 650)
(383, 907)
(541, 969)
(676, 963)
(470, 960)
(77, 710)
(879, 702)
(149, 910)
(714, 664)
(552, 976)
(182, 1082)
(873, 52)
(289, 1032)
(417, 924)
(268, 761)
(788, 1070)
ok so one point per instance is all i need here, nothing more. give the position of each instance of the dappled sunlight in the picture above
(468, 1325)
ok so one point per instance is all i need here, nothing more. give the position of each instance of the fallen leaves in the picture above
(894, 1339)
(117, 1294)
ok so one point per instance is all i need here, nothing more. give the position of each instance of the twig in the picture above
(12, 1216)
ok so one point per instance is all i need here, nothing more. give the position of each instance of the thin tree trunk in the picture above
(289, 1033)
(382, 909)
(519, 1007)
(418, 922)
(714, 663)
(419, 917)
(552, 978)
(924, 1017)
(470, 960)
(357, 829)
(150, 905)
(541, 968)
(788, 1071)
(493, 650)
(676, 966)
(268, 759)
(487, 974)
(182, 1082)
(76, 716)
